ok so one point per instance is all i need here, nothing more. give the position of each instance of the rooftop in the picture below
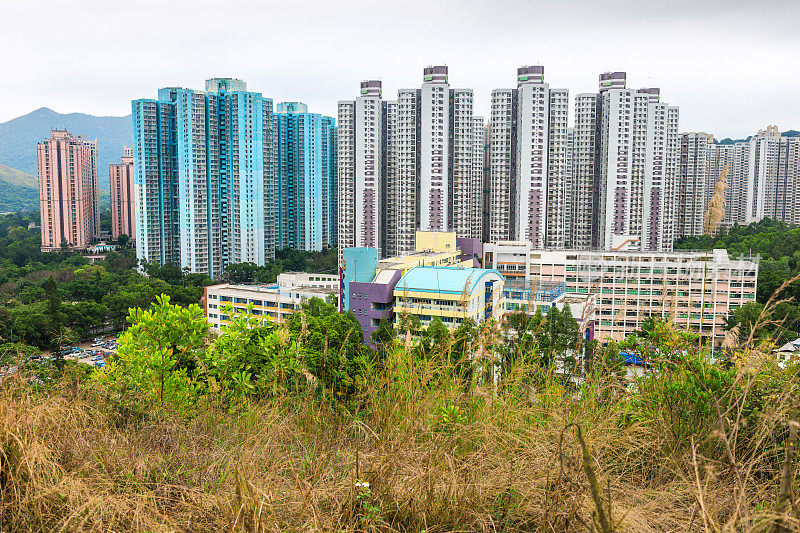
(443, 279)
(271, 288)
(384, 276)
(533, 284)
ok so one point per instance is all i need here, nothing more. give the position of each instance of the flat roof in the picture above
(270, 289)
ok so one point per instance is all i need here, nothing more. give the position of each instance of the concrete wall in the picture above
(362, 297)
(359, 265)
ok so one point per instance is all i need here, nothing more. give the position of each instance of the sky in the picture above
(732, 66)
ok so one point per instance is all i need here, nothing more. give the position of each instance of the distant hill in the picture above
(18, 138)
(18, 191)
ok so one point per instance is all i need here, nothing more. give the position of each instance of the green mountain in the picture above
(18, 191)
(18, 138)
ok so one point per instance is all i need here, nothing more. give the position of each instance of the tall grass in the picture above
(424, 449)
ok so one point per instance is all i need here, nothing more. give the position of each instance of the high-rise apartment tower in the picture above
(625, 165)
(529, 169)
(68, 194)
(123, 212)
(204, 177)
(408, 164)
(305, 176)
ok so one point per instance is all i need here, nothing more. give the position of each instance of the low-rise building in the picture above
(277, 301)
(368, 283)
(530, 295)
(696, 290)
(453, 294)
(788, 353)
(521, 295)
(304, 279)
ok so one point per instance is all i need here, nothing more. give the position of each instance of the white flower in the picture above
(362, 484)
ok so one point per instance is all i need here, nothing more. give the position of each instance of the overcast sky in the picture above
(733, 66)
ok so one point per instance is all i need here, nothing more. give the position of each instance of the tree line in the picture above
(53, 298)
(777, 246)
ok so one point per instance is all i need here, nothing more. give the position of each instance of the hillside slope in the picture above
(18, 138)
(18, 191)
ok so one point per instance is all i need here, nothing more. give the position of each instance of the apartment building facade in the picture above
(626, 151)
(68, 191)
(305, 178)
(695, 290)
(361, 152)
(414, 163)
(694, 189)
(123, 212)
(204, 177)
(530, 184)
(763, 179)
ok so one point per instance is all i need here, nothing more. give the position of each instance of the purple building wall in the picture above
(362, 297)
(470, 249)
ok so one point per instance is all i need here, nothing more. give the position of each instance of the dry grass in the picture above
(437, 458)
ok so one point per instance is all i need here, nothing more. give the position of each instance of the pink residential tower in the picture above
(123, 214)
(68, 196)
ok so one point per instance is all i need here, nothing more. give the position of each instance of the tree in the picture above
(123, 240)
(171, 273)
(240, 272)
(192, 279)
(435, 342)
(158, 353)
(331, 348)
(746, 317)
(463, 348)
(251, 357)
(11, 351)
(120, 261)
(522, 338)
(120, 303)
(385, 334)
(84, 317)
(409, 324)
(56, 323)
(566, 338)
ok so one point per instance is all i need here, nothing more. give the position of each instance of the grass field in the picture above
(423, 450)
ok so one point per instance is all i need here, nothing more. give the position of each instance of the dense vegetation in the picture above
(48, 299)
(286, 260)
(292, 427)
(778, 247)
(516, 426)
(52, 298)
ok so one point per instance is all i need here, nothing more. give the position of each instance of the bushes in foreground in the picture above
(255, 434)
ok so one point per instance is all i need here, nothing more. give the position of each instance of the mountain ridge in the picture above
(19, 136)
